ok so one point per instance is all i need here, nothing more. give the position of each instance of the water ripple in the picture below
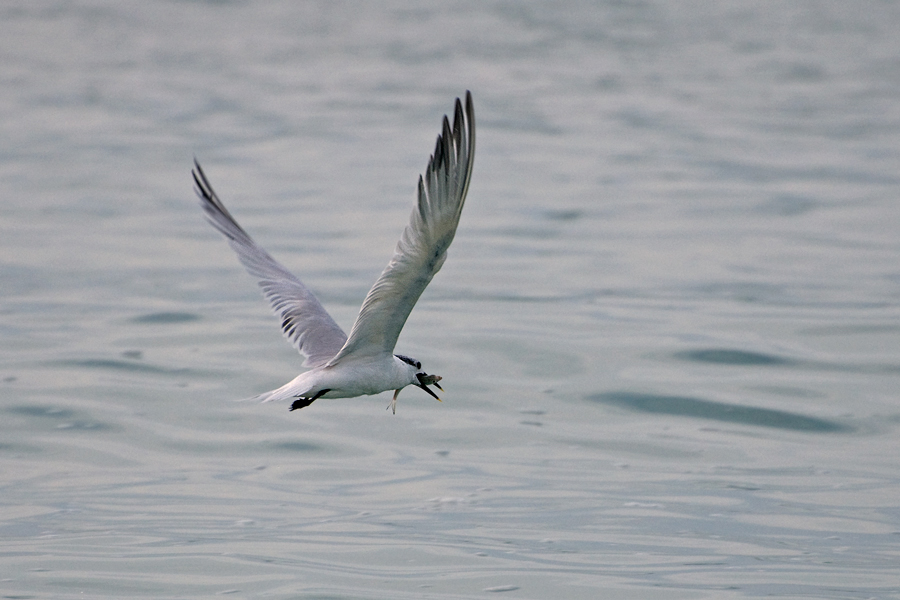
(724, 356)
(686, 406)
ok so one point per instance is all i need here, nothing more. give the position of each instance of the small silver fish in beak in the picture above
(424, 381)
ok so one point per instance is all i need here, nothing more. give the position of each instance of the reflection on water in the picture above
(667, 326)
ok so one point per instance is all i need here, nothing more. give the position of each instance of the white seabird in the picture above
(363, 363)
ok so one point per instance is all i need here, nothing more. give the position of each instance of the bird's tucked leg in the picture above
(302, 401)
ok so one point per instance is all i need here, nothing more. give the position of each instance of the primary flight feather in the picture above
(363, 363)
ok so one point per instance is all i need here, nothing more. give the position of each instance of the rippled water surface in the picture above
(669, 326)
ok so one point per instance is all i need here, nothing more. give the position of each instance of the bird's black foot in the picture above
(302, 402)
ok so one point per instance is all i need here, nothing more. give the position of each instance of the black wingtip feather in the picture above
(210, 201)
(451, 137)
(438, 156)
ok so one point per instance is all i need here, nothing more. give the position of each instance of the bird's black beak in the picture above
(430, 393)
(424, 380)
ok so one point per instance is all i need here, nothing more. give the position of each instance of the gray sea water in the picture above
(669, 326)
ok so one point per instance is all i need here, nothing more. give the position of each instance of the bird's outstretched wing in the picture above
(304, 322)
(422, 248)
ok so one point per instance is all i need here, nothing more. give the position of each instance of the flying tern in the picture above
(363, 363)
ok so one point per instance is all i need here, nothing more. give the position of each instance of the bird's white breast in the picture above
(350, 378)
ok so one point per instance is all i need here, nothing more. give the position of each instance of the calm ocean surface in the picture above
(669, 326)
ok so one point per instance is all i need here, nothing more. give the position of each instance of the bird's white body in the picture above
(362, 377)
(364, 362)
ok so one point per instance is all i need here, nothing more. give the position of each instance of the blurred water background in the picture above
(668, 326)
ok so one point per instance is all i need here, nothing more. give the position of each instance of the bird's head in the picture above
(422, 379)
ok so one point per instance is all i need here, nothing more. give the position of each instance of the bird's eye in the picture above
(418, 365)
